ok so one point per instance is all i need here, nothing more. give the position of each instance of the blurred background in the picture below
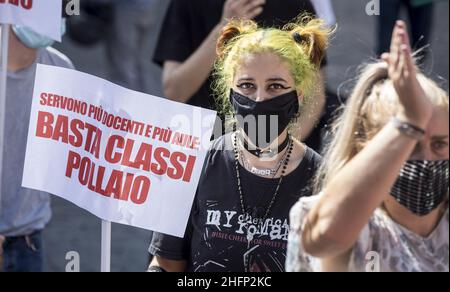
(73, 229)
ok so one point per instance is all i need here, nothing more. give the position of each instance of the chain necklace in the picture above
(254, 212)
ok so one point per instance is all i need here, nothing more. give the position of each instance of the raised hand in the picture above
(242, 9)
(416, 107)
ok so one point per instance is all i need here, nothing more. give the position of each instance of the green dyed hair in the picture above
(300, 44)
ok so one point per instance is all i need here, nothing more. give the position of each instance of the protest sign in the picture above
(125, 156)
(42, 16)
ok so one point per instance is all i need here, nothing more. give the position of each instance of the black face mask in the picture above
(422, 186)
(263, 122)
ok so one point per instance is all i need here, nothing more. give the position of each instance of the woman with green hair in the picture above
(254, 174)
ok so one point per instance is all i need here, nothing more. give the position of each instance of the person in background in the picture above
(128, 43)
(186, 47)
(384, 183)
(420, 14)
(24, 212)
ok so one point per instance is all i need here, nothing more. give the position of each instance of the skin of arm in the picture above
(169, 265)
(182, 80)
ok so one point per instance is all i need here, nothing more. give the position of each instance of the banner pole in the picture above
(106, 247)
(3, 79)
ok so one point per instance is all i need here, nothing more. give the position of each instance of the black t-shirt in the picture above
(217, 235)
(188, 23)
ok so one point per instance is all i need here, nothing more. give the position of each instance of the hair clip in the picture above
(298, 37)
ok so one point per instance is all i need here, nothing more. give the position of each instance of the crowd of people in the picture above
(273, 195)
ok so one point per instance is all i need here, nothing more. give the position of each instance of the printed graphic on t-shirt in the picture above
(262, 242)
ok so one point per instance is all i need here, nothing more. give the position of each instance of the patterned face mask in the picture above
(422, 185)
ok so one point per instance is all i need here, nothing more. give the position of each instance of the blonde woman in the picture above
(384, 182)
(240, 218)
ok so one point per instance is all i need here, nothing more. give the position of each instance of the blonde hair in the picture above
(373, 102)
(301, 45)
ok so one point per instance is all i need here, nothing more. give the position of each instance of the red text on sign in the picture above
(26, 4)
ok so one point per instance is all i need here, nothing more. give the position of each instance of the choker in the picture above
(267, 153)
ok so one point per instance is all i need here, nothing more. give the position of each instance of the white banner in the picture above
(125, 156)
(43, 16)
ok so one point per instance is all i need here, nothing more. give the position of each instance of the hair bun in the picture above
(312, 35)
(231, 31)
